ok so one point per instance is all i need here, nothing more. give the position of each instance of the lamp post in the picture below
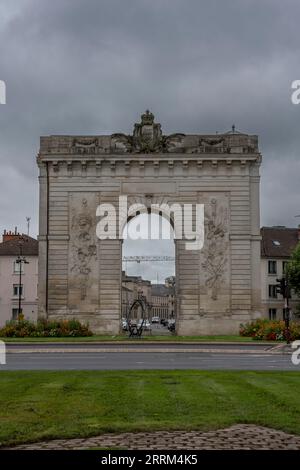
(287, 311)
(283, 288)
(20, 261)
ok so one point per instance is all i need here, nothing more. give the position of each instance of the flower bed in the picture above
(44, 328)
(263, 329)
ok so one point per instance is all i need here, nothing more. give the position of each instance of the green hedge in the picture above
(44, 328)
(263, 329)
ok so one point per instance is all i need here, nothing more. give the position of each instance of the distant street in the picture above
(122, 356)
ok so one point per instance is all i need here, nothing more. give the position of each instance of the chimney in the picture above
(9, 235)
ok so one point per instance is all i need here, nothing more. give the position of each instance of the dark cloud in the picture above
(75, 66)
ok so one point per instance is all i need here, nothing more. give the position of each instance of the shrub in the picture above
(263, 329)
(44, 328)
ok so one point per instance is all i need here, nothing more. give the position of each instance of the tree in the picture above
(293, 270)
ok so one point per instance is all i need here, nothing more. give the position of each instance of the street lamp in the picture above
(20, 260)
(283, 288)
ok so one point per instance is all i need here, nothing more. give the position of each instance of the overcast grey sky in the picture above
(92, 67)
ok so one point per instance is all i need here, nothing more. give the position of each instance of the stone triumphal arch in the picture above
(217, 287)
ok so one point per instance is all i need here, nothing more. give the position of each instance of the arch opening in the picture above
(149, 270)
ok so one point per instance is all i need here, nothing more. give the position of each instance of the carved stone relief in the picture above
(215, 251)
(147, 138)
(86, 146)
(83, 250)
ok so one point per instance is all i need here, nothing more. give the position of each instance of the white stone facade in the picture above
(277, 246)
(217, 288)
(10, 281)
(273, 304)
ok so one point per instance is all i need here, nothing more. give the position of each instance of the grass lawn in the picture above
(167, 338)
(44, 405)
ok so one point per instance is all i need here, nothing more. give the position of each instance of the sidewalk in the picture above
(142, 347)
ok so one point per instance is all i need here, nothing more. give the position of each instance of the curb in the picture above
(126, 342)
(145, 350)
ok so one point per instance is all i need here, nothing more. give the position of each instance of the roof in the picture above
(161, 290)
(12, 247)
(136, 279)
(278, 242)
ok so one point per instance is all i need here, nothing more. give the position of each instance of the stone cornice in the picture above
(141, 159)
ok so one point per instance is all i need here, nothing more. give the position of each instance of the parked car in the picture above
(171, 324)
(164, 321)
(155, 320)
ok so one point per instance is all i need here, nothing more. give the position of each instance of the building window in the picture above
(272, 313)
(272, 267)
(15, 314)
(284, 266)
(18, 267)
(17, 290)
(272, 291)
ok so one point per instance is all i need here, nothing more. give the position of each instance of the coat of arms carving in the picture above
(147, 138)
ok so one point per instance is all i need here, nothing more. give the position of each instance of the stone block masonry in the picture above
(217, 288)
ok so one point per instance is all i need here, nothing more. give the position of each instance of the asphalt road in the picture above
(139, 357)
